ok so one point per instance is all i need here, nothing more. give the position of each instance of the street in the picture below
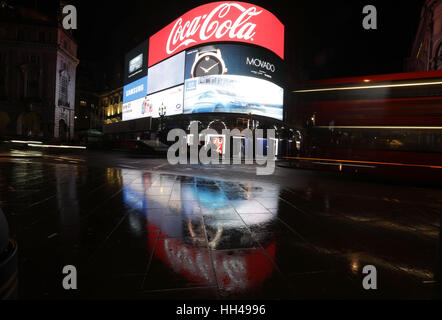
(139, 228)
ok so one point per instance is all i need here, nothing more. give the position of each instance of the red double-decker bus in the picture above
(388, 124)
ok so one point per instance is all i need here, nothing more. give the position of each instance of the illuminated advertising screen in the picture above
(166, 74)
(135, 63)
(218, 22)
(235, 94)
(171, 100)
(191, 68)
(218, 141)
(135, 90)
(134, 109)
(234, 59)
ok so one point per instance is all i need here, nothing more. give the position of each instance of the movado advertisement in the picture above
(234, 59)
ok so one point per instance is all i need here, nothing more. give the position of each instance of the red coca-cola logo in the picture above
(218, 21)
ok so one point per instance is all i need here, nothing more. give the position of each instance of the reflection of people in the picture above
(144, 105)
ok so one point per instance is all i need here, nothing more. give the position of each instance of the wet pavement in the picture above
(141, 229)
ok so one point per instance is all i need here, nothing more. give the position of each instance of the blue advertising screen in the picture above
(135, 90)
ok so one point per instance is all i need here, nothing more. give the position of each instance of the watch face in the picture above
(208, 65)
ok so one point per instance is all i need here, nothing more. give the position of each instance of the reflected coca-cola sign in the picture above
(215, 22)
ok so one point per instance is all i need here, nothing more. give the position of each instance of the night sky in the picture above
(324, 39)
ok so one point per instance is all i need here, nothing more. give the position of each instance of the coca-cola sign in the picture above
(215, 22)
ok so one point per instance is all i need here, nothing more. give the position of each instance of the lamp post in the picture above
(162, 112)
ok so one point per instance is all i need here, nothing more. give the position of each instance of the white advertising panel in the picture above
(170, 99)
(149, 106)
(134, 110)
(166, 74)
(235, 94)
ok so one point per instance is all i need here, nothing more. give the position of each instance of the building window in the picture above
(42, 36)
(2, 79)
(439, 58)
(32, 84)
(63, 92)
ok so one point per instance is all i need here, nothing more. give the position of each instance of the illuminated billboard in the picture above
(134, 109)
(135, 90)
(234, 78)
(166, 74)
(149, 106)
(235, 60)
(170, 99)
(135, 63)
(218, 22)
(191, 69)
(233, 94)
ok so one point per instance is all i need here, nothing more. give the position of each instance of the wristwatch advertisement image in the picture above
(233, 59)
(208, 61)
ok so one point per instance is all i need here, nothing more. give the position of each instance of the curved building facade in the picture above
(220, 64)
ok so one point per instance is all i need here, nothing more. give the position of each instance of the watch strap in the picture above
(206, 49)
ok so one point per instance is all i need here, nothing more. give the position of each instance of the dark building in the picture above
(426, 54)
(87, 115)
(38, 61)
(87, 111)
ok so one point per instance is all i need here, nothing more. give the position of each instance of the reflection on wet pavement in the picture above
(138, 234)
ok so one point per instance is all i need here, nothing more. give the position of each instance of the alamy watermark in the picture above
(370, 281)
(70, 18)
(370, 21)
(70, 280)
(186, 148)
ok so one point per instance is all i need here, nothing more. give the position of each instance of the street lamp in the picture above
(162, 112)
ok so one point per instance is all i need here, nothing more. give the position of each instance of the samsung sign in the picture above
(135, 90)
